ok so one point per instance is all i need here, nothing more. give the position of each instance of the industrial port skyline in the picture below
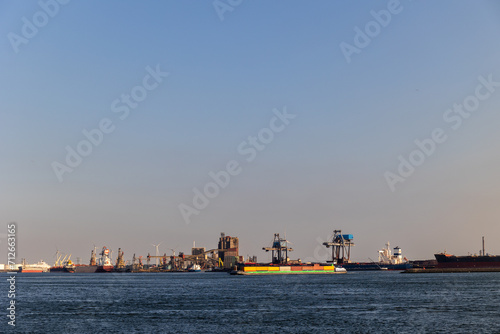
(320, 253)
(251, 129)
(265, 132)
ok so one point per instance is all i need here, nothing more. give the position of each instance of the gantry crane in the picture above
(341, 247)
(279, 250)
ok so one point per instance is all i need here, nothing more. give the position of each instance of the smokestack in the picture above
(483, 248)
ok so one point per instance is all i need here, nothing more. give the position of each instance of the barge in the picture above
(281, 264)
(271, 269)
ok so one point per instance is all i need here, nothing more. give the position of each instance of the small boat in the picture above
(194, 268)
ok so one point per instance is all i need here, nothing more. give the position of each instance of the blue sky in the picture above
(324, 171)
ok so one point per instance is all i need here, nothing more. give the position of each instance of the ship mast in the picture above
(483, 247)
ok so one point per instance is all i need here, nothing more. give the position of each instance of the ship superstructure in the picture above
(104, 263)
(385, 256)
(40, 267)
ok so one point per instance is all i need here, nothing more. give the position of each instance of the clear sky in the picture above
(361, 91)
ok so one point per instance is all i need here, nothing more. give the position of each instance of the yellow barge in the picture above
(273, 269)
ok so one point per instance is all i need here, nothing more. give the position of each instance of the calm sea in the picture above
(366, 302)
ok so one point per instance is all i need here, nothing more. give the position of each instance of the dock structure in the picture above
(177, 262)
(341, 247)
(225, 256)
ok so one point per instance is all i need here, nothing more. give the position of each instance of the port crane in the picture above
(279, 250)
(341, 247)
(58, 260)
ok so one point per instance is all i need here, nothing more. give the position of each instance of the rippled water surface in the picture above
(362, 302)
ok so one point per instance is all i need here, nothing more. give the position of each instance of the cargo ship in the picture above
(91, 267)
(84, 268)
(67, 268)
(65, 265)
(30, 270)
(386, 261)
(281, 264)
(40, 267)
(359, 266)
(341, 252)
(482, 260)
(469, 261)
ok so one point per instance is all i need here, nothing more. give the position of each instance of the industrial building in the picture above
(229, 251)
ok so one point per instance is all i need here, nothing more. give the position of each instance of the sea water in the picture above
(357, 302)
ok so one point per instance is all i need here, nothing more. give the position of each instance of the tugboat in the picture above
(104, 264)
